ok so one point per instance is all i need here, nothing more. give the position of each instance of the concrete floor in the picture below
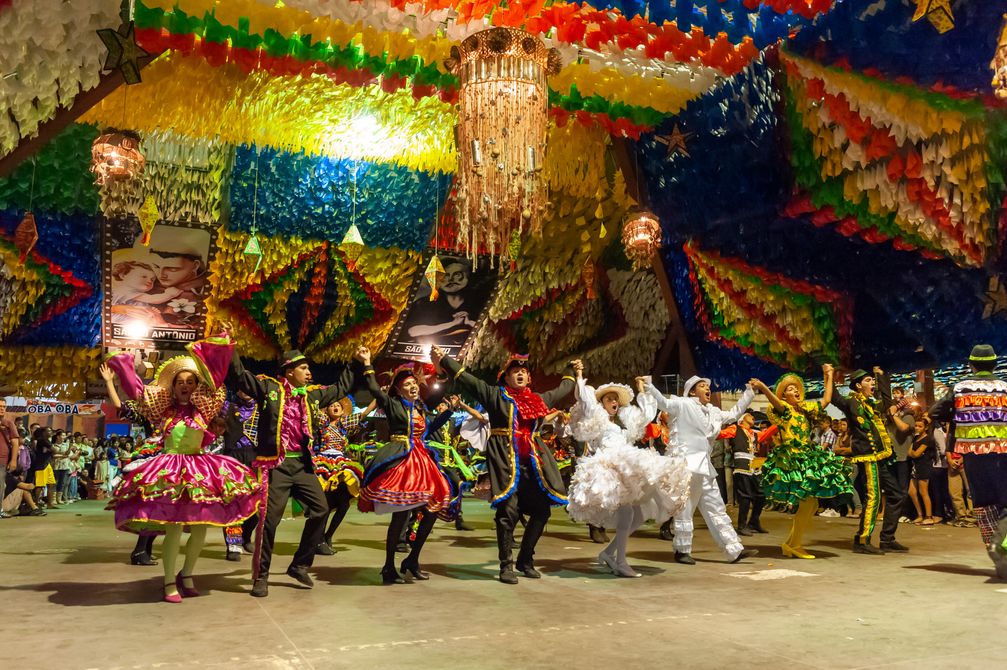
(72, 601)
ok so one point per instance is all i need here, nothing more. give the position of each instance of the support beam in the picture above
(29, 146)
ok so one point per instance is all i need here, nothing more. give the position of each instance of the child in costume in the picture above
(798, 472)
(404, 474)
(617, 481)
(698, 424)
(183, 487)
(339, 474)
(524, 478)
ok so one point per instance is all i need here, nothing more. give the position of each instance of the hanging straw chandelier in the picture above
(501, 134)
(999, 64)
(641, 236)
(116, 156)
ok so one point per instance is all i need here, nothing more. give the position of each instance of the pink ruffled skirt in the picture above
(187, 489)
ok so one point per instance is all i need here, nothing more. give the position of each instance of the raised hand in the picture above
(363, 354)
(828, 370)
(757, 385)
(436, 354)
(641, 384)
(106, 372)
(578, 367)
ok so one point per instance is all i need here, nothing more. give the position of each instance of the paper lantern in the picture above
(641, 236)
(501, 134)
(938, 12)
(115, 155)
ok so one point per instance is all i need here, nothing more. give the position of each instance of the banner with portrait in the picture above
(155, 295)
(449, 321)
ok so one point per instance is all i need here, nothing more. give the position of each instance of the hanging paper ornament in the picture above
(352, 245)
(253, 248)
(587, 275)
(434, 273)
(938, 12)
(999, 64)
(26, 235)
(124, 54)
(514, 249)
(641, 235)
(149, 216)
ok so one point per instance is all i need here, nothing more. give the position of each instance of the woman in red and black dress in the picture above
(404, 474)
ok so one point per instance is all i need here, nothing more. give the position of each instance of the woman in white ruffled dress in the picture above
(618, 481)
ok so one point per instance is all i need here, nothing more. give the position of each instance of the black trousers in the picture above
(339, 503)
(877, 480)
(722, 484)
(748, 490)
(292, 478)
(940, 498)
(903, 474)
(528, 499)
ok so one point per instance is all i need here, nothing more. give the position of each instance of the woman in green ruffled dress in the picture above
(798, 472)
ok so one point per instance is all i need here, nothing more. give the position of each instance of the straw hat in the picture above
(622, 392)
(785, 381)
(165, 375)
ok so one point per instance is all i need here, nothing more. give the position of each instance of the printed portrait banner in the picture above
(155, 295)
(451, 320)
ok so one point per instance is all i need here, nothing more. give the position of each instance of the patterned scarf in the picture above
(529, 404)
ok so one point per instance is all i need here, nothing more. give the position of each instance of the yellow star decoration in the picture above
(675, 141)
(938, 12)
(995, 298)
(123, 52)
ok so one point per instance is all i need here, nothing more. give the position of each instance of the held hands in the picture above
(436, 355)
(641, 384)
(578, 368)
(757, 385)
(363, 355)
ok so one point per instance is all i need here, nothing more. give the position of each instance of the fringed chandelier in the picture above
(501, 135)
(116, 156)
(999, 64)
(641, 236)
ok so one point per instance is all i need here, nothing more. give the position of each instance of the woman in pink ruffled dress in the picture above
(183, 488)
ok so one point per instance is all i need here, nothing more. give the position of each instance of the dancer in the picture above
(872, 449)
(241, 418)
(404, 475)
(616, 480)
(288, 409)
(747, 476)
(798, 472)
(977, 410)
(183, 487)
(698, 424)
(524, 478)
(339, 475)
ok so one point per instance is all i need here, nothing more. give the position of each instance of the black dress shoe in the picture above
(597, 535)
(893, 546)
(742, 530)
(685, 559)
(402, 548)
(508, 576)
(233, 555)
(324, 549)
(461, 525)
(859, 548)
(141, 558)
(530, 572)
(300, 574)
(261, 587)
(745, 553)
(667, 533)
(413, 570)
(389, 576)
(248, 548)
(757, 527)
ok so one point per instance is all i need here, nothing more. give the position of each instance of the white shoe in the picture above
(831, 513)
(625, 570)
(606, 560)
(904, 519)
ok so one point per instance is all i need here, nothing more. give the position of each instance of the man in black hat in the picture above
(977, 410)
(872, 450)
(288, 410)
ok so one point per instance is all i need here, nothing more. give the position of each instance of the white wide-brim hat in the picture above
(691, 382)
(622, 392)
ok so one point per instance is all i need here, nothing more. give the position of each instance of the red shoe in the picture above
(183, 589)
(171, 597)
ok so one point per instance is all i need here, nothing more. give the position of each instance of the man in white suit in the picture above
(699, 423)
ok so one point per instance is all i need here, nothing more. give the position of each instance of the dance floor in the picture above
(72, 600)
